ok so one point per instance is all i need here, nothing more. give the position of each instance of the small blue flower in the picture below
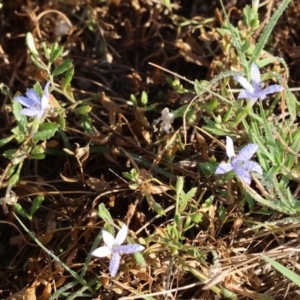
(115, 249)
(254, 91)
(35, 105)
(240, 164)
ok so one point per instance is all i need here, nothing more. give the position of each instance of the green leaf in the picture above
(133, 100)
(4, 89)
(37, 150)
(38, 63)
(87, 124)
(144, 98)
(179, 186)
(83, 110)
(9, 153)
(47, 130)
(63, 67)
(222, 212)
(38, 156)
(37, 202)
(196, 217)
(104, 214)
(283, 270)
(21, 211)
(56, 51)
(140, 260)
(68, 77)
(15, 177)
(17, 107)
(159, 209)
(38, 88)
(31, 45)
(6, 140)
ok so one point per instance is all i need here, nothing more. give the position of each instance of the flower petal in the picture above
(24, 101)
(101, 251)
(33, 96)
(244, 83)
(224, 168)
(253, 166)
(248, 95)
(130, 248)
(247, 152)
(275, 88)
(243, 174)
(114, 264)
(229, 147)
(108, 238)
(45, 97)
(255, 77)
(121, 236)
(30, 112)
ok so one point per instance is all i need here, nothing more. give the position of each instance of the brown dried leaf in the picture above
(99, 185)
(130, 212)
(46, 292)
(45, 238)
(113, 108)
(67, 179)
(24, 294)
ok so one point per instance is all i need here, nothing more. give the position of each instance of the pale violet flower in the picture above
(240, 164)
(166, 119)
(254, 91)
(35, 105)
(115, 248)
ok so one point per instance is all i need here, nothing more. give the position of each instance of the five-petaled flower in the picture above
(240, 164)
(254, 91)
(115, 249)
(166, 119)
(35, 105)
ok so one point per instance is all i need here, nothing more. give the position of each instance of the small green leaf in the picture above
(31, 45)
(222, 212)
(38, 63)
(56, 51)
(15, 177)
(38, 156)
(140, 260)
(179, 186)
(9, 153)
(4, 89)
(68, 77)
(144, 98)
(6, 140)
(63, 67)
(21, 211)
(104, 214)
(62, 121)
(37, 150)
(17, 107)
(196, 217)
(159, 209)
(83, 110)
(38, 88)
(87, 124)
(133, 100)
(47, 130)
(37, 202)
